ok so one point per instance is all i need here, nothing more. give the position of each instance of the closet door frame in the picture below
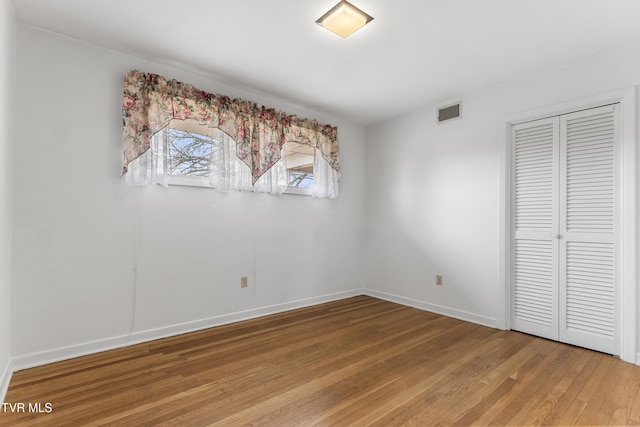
(627, 214)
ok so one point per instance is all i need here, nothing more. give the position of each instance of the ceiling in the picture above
(414, 53)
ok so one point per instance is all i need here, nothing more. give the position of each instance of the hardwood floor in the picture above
(359, 361)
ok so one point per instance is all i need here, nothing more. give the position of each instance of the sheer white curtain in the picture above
(226, 171)
(325, 178)
(275, 180)
(229, 173)
(152, 167)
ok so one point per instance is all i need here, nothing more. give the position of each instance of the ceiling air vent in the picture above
(450, 112)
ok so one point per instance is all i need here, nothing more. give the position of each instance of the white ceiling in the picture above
(414, 53)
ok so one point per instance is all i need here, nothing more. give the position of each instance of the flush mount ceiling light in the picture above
(343, 19)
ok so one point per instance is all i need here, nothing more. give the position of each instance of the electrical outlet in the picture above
(244, 281)
(439, 279)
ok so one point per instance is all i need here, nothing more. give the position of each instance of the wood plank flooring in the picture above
(359, 361)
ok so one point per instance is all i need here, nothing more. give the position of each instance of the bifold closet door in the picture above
(588, 229)
(535, 215)
(564, 228)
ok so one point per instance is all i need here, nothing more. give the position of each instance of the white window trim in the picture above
(299, 191)
(189, 181)
(203, 182)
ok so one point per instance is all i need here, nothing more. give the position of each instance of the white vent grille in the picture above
(450, 112)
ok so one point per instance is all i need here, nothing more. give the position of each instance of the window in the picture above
(250, 137)
(190, 148)
(299, 159)
(195, 153)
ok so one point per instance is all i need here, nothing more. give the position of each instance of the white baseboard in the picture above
(5, 379)
(69, 352)
(434, 308)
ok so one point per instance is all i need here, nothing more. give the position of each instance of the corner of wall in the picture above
(5, 379)
(7, 76)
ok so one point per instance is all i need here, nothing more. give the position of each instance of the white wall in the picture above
(433, 191)
(431, 206)
(80, 231)
(7, 44)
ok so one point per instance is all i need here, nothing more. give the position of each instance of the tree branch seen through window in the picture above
(190, 153)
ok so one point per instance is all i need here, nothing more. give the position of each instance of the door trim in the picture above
(627, 238)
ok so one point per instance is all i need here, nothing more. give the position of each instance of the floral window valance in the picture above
(150, 102)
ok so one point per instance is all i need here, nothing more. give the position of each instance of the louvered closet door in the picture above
(588, 229)
(535, 217)
(564, 228)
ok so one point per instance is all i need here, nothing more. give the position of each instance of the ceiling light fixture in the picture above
(344, 18)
